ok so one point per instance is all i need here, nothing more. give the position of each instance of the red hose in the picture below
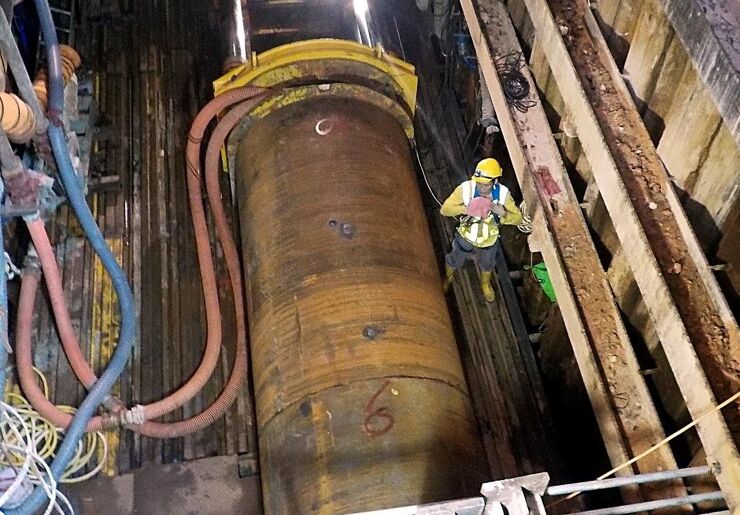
(24, 361)
(231, 256)
(211, 352)
(67, 335)
(239, 370)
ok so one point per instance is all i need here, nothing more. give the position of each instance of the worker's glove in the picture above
(479, 207)
(498, 210)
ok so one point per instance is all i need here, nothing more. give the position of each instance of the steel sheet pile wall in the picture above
(361, 398)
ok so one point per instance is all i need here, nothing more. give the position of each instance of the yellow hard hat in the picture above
(487, 170)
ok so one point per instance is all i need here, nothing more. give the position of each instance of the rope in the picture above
(11, 271)
(525, 225)
(25, 466)
(653, 448)
(29, 441)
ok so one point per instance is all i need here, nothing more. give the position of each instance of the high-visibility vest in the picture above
(482, 232)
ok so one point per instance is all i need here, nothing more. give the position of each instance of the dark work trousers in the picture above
(462, 250)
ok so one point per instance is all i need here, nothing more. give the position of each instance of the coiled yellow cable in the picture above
(47, 438)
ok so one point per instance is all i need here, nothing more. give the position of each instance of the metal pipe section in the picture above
(4, 341)
(365, 32)
(238, 46)
(360, 394)
(20, 74)
(588, 486)
(10, 163)
(655, 505)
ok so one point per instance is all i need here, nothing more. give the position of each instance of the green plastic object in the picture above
(543, 277)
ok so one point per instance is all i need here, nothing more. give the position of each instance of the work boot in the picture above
(449, 273)
(485, 285)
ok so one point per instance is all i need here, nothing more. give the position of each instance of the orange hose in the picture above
(211, 352)
(24, 361)
(16, 118)
(231, 256)
(59, 305)
(239, 369)
(71, 60)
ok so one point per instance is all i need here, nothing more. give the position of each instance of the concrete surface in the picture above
(201, 487)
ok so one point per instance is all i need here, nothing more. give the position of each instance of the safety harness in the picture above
(478, 231)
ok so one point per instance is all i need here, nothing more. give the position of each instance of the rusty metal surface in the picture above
(361, 398)
(151, 63)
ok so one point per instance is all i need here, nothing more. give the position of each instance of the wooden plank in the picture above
(192, 310)
(598, 335)
(709, 32)
(106, 322)
(520, 18)
(515, 324)
(623, 28)
(683, 358)
(68, 390)
(138, 240)
(111, 222)
(129, 197)
(690, 128)
(554, 107)
(58, 367)
(661, 100)
(729, 252)
(46, 352)
(507, 406)
(43, 356)
(226, 298)
(151, 380)
(700, 153)
(161, 224)
(715, 192)
(173, 448)
(644, 63)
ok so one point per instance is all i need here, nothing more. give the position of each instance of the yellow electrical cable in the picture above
(47, 437)
(652, 449)
(44, 382)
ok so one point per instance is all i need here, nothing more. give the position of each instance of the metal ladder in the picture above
(63, 12)
(524, 496)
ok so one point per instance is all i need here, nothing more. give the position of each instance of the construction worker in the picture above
(482, 204)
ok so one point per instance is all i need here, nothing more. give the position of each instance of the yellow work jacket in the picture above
(480, 232)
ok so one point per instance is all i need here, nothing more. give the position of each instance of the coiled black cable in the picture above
(515, 85)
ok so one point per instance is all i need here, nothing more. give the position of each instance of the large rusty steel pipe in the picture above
(360, 394)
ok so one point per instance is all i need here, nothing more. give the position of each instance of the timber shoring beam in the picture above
(627, 418)
(632, 221)
(711, 36)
